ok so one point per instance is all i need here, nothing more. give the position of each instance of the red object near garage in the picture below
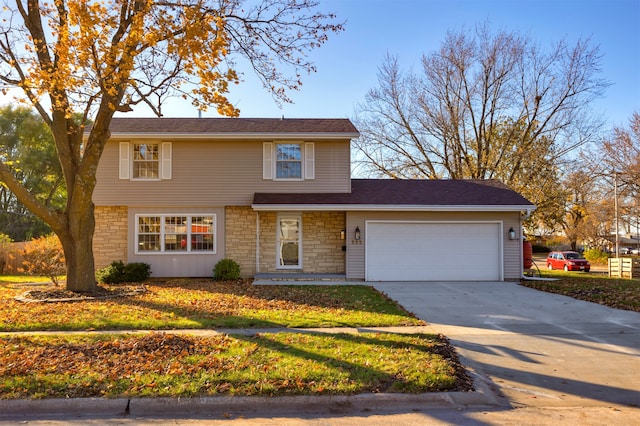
(527, 254)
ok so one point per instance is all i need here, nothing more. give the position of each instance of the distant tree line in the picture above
(26, 144)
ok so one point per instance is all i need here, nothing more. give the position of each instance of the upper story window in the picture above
(288, 160)
(145, 161)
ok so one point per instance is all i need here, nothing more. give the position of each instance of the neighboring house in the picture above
(276, 196)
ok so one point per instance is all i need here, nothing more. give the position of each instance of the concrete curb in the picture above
(224, 405)
(54, 407)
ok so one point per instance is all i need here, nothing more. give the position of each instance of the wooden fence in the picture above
(11, 258)
(624, 267)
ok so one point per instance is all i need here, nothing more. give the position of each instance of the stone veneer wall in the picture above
(322, 246)
(110, 237)
(268, 241)
(240, 235)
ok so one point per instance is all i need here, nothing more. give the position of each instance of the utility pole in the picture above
(615, 206)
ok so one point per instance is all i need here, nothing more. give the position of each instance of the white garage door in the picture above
(421, 251)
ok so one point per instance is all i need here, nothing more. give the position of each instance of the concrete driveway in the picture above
(533, 348)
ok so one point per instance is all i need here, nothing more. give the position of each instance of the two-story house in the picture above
(276, 196)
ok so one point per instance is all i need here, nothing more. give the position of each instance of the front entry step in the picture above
(300, 279)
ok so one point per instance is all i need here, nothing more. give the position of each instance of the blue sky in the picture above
(347, 64)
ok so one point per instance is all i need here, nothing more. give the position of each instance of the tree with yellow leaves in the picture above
(99, 57)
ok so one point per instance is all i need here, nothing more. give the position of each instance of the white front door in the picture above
(289, 242)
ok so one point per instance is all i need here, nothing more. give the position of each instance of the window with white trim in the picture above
(145, 160)
(173, 233)
(288, 161)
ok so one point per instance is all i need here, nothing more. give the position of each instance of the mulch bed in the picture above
(62, 295)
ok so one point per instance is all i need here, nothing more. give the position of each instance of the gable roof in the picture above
(230, 128)
(404, 195)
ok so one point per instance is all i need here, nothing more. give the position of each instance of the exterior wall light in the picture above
(512, 234)
(357, 234)
(343, 234)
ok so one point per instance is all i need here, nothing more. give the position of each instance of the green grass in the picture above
(181, 365)
(265, 365)
(592, 287)
(196, 304)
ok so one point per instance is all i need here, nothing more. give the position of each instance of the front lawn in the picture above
(265, 364)
(170, 364)
(613, 292)
(203, 303)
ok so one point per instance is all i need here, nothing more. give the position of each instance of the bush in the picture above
(137, 272)
(5, 248)
(111, 274)
(118, 272)
(537, 248)
(596, 256)
(44, 256)
(226, 269)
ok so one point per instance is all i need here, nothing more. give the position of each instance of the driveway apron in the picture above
(533, 348)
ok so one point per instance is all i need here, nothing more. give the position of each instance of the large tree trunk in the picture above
(77, 242)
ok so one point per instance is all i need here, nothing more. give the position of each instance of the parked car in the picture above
(567, 260)
(628, 250)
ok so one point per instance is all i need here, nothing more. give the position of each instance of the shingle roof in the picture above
(398, 193)
(233, 126)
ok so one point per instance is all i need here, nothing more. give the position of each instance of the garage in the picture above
(433, 251)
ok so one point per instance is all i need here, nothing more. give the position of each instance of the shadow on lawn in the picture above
(352, 368)
(349, 297)
(205, 318)
(239, 311)
(381, 380)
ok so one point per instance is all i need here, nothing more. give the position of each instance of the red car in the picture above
(567, 260)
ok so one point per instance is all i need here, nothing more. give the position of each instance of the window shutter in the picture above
(124, 160)
(166, 160)
(309, 161)
(267, 160)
